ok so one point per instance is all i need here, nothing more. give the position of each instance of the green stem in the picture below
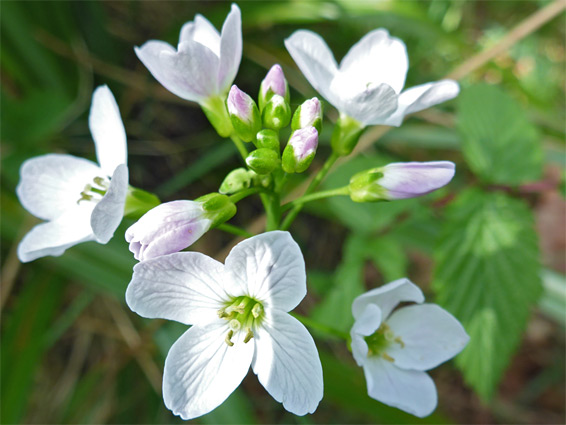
(240, 146)
(272, 210)
(320, 327)
(235, 230)
(312, 186)
(237, 197)
(317, 195)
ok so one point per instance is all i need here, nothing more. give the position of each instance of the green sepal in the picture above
(215, 110)
(290, 164)
(346, 134)
(364, 186)
(247, 130)
(218, 208)
(268, 139)
(277, 113)
(138, 202)
(237, 180)
(263, 100)
(263, 160)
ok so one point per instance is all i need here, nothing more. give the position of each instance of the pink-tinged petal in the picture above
(202, 32)
(304, 142)
(108, 212)
(107, 130)
(287, 364)
(409, 390)
(315, 60)
(366, 324)
(404, 180)
(201, 370)
(55, 237)
(270, 268)
(421, 97)
(240, 104)
(274, 80)
(167, 228)
(186, 287)
(371, 106)
(230, 49)
(51, 185)
(387, 297)
(377, 58)
(430, 336)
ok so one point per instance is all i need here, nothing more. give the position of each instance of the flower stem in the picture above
(240, 146)
(235, 230)
(237, 197)
(312, 186)
(321, 327)
(317, 195)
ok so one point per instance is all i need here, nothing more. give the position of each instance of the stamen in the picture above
(235, 325)
(387, 357)
(249, 336)
(229, 337)
(101, 182)
(256, 310)
(399, 341)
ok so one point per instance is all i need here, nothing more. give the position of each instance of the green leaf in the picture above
(499, 143)
(487, 275)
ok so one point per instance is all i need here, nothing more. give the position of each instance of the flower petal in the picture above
(315, 60)
(107, 130)
(371, 106)
(421, 97)
(287, 364)
(52, 184)
(201, 370)
(366, 324)
(404, 180)
(230, 49)
(377, 58)
(430, 336)
(168, 72)
(409, 390)
(186, 287)
(387, 297)
(270, 268)
(108, 212)
(203, 32)
(54, 237)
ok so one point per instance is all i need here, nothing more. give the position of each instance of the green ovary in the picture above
(243, 314)
(382, 339)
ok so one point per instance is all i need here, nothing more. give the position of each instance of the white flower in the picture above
(238, 312)
(396, 348)
(205, 62)
(368, 84)
(80, 200)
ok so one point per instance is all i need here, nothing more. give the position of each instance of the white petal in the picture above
(107, 130)
(409, 390)
(201, 370)
(430, 335)
(186, 287)
(315, 60)
(52, 184)
(54, 237)
(387, 297)
(371, 106)
(173, 77)
(421, 97)
(108, 212)
(377, 58)
(287, 364)
(270, 268)
(203, 32)
(230, 49)
(366, 324)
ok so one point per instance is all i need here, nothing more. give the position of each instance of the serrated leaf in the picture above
(499, 143)
(487, 275)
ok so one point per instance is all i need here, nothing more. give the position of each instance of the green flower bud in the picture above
(244, 114)
(300, 150)
(215, 110)
(268, 139)
(308, 114)
(364, 186)
(237, 180)
(263, 161)
(276, 113)
(346, 134)
(218, 208)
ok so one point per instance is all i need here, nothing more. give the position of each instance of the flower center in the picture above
(95, 191)
(242, 313)
(379, 341)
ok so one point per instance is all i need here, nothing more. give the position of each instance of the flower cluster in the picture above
(238, 312)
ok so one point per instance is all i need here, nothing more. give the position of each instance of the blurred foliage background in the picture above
(490, 248)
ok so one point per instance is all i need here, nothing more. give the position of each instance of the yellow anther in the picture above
(249, 336)
(100, 182)
(256, 310)
(229, 337)
(235, 325)
(387, 357)
(399, 341)
(222, 314)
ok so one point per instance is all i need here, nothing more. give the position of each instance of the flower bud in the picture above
(218, 208)
(273, 83)
(346, 134)
(263, 161)
(276, 113)
(308, 114)
(244, 114)
(400, 180)
(237, 180)
(300, 150)
(268, 139)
